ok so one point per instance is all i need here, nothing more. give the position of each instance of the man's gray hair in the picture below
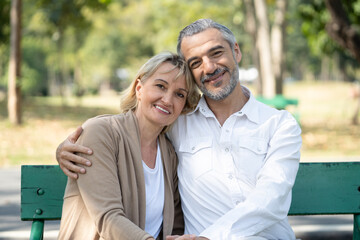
(202, 25)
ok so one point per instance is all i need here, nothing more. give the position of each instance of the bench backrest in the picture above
(327, 188)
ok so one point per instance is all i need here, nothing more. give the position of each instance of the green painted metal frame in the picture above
(320, 188)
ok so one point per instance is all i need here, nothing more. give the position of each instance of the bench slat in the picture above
(326, 188)
(42, 192)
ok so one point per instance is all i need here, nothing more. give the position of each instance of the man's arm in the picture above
(67, 158)
(269, 202)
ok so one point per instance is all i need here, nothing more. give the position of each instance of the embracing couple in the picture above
(175, 164)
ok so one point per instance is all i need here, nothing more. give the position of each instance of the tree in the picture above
(264, 47)
(268, 54)
(277, 44)
(332, 28)
(14, 90)
(345, 33)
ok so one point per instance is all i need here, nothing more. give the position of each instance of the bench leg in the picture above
(37, 230)
(356, 233)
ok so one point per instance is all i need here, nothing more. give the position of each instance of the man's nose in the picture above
(209, 66)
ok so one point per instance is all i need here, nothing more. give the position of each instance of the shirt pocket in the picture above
(195, 157)
(252, 153)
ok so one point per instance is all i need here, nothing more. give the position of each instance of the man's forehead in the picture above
(202, 41)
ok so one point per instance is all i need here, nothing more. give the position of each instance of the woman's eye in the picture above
(160, 86)
(180, 95)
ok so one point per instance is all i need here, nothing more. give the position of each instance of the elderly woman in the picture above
(130, 192)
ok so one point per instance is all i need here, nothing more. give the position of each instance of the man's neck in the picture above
(223, 109)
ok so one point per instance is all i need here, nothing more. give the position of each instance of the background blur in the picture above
(73, 57)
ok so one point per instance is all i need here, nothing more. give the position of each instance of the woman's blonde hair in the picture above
(128, 100)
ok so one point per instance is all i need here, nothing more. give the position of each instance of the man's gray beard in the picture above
(226, 91)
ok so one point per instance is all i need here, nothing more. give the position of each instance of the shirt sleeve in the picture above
(270, 200)
(100, 188)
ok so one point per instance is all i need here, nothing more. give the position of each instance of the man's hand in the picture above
(66, 157)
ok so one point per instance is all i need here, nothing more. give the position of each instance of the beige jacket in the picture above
(108, 202)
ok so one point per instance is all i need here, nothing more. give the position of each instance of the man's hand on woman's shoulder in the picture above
(70, 163)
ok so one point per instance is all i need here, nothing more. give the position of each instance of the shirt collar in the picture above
(203, 108)
(250, 109)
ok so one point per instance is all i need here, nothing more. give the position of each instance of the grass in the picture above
(325, 110)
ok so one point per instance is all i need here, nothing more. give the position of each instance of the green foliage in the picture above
(315, 17)
(34, 70)
(80, 45)
(5, 6)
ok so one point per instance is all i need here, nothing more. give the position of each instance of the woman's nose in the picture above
(167, 98)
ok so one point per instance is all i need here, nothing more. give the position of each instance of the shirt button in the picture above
(259, 149)
(226, 149)
(237, 202)
(230, 176)
(193, 148)
(227, 130)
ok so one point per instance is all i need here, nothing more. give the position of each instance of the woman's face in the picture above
(161, 97)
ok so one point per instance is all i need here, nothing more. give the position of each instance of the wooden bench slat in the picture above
(42, 192)
(327, 188)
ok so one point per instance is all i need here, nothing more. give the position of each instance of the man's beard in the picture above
(225, 91)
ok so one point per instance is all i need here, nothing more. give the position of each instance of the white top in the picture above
(154, 186)
(235, 180)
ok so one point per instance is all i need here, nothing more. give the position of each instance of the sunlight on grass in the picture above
(325, 110)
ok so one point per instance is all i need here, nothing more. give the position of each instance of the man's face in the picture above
(212, 62)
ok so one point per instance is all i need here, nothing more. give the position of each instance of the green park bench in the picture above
(281, 102)
(320, 188)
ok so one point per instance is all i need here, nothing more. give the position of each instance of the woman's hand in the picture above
(185, 237)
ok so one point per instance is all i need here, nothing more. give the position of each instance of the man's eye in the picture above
(195, 64)
(217, 53)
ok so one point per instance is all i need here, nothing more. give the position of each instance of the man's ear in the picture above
(237, 51)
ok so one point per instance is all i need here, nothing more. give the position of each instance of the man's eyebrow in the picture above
(216, 48)
(210, 50)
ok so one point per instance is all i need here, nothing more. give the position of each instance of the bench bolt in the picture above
(40, 191)
(38, 211)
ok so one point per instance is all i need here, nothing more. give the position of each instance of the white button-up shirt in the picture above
(235, 180)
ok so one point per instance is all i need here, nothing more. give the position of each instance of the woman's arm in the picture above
(100, 188)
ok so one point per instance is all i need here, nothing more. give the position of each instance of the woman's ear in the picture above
(138, 87)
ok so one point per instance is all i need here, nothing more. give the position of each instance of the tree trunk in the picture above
(341, 30)
(356, 95)
(277, 44)
(263, 44)
(14, 90)
(251, 29)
